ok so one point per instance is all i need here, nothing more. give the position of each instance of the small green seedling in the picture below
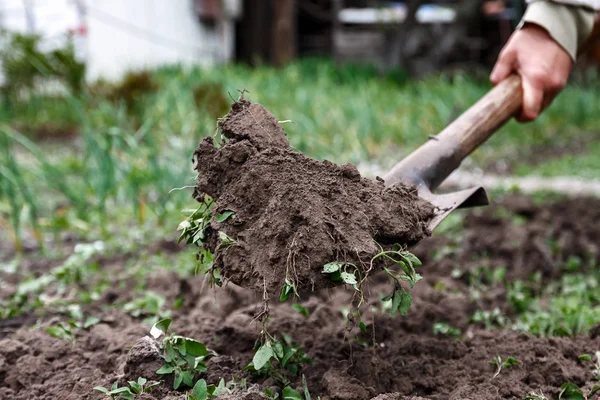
(288, 289)
(68, 331)
(184, 357)
(301, 310)
(596, 364)
(570, 391)
(275, 358)
(502, 364)
(204, 391)
(443, 328)
(128, 393)
(535, 396)
(343, 272)
(290, 393)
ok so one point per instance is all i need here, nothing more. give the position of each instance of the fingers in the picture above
(533, 98)
(504, 67)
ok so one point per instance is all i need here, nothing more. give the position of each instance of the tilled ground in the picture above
(398, 357)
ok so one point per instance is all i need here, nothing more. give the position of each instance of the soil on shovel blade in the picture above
(398, 358)
(294, 214)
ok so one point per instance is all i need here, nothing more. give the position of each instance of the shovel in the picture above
(428, 166)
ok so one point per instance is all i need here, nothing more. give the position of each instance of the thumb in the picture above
(533, 97)
(503, 68)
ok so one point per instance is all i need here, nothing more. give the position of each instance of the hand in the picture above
(543, 64)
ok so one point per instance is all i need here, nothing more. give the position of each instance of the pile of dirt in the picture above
(398, 358)
(294, 214)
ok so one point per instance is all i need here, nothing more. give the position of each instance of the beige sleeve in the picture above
(568, 25)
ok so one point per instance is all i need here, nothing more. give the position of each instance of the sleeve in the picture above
(568, 22)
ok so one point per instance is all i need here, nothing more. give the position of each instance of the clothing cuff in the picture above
(568, 25)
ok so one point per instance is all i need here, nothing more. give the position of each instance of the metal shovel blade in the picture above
(448, 202)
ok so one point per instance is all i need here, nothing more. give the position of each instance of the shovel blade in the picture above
(448, 202)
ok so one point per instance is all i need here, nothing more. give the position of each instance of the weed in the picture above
(502, 364)
(491, 319)
(204, 391)
(443, 328)
(300, 309)
(535, 396)
(128, 393)
(149, 305)
(595, 364)
(275, 358)
(184, 357)
(570, 391)
(343, 272)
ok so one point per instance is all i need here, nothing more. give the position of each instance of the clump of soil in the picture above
(294, 214)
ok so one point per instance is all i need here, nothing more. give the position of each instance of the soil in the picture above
(399, 358)
(294, 214)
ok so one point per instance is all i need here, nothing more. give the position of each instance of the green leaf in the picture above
(165, 369)
(195, 347)
(160, 328)
(585, 357)
(291, 394)
(290, 351)
(332, 267)
(510, 362)
(262, 356)
(120, 391)
(200, 390)
(594, 390)
(348, 278)
(178, 380)
(302, 310)
(278, 350)
(224, 216)
(412, 259)
(570, 391)
(405, 302)
(102, 389)
(188, 378)
(60, 332)
(363, 327)
(285, 293)
(90, 321)
(305, 387)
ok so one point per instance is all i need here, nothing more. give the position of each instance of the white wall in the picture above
(134, 34)
(123, 35)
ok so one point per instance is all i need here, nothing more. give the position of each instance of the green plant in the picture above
(204, 391)
(400, 297)
(185, 358)
(149, 304)
(535, 396)
(343, 272)
(490, 319)
(502, 364)
(128, 393)
(275, 358)
(443, 328)
(596, 364)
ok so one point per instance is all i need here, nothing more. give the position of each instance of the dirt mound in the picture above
(294, 214)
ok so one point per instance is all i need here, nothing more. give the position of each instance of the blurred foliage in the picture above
(25, 65)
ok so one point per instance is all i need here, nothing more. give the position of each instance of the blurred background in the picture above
(103, 102)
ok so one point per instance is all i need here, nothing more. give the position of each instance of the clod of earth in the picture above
(292, 214)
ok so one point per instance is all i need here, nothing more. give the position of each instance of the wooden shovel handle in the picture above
(484, 118)
(431, 163)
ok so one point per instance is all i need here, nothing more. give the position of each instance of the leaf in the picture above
(510, 362)
(101, 389)
(278, 350)
(288, 354)
(188, 378)
(135, 387)
(120, 390)
(302, 310)
(177, 381)
(160, 328)
(291, 394)
(195, 347)
(225, 239)
(570, 391)
(184, 225)
(165, 369)
(262, 356)
(412, 259)
(200, 390)
(90, 321)
(332, 267)
(348, 278)
(224, 216)
(285, 293)
(60, 332)
(594, 390)
(585, 357)
(363, 327)
(270, 393)
(405, 302)
(141, 381)
(396, 299)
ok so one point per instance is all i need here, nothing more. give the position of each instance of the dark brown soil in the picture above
(294, 214)
(399, 356)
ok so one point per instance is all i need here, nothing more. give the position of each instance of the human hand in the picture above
(542, 63)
